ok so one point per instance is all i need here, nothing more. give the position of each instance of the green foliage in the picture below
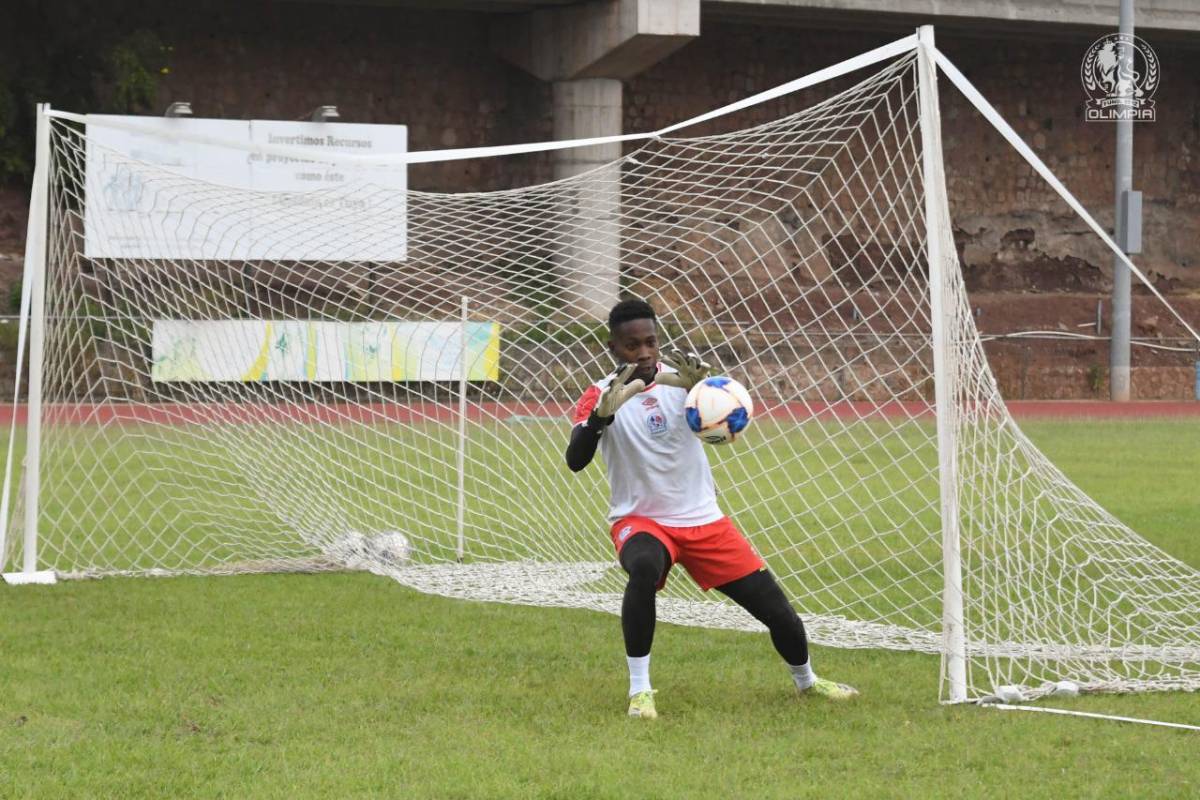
(73, 56)
(10, 328)
(589, 335)
(1095, 378)
(12, 160)
(135, 64)
(531, 280)
(9, 334)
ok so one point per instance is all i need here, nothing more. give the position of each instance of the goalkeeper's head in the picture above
(633, 337)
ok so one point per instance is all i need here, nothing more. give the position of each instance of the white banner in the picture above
(144, 196)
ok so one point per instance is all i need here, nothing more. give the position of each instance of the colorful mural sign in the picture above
(323, 351)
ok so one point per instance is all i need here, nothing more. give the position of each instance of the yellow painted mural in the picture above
(324, 351)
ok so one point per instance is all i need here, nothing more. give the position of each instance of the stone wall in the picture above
(434, 71)
(1035, 85)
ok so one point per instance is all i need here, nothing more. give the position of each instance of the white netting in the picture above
(792, 254)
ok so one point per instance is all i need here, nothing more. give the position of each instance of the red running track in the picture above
(112, 413)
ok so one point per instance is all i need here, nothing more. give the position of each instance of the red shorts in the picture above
(713, 554)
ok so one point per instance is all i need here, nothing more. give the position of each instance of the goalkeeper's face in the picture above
(636, 342)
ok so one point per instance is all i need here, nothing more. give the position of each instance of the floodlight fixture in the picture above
(325, 114)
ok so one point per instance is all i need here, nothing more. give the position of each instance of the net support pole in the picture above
(937, 236)
(1118, 357)
(462, 433)
(34, 294)
(37, 327)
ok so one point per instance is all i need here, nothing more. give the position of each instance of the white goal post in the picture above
(367, 376)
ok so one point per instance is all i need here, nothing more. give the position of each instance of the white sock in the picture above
(639, 674)
(803, 675)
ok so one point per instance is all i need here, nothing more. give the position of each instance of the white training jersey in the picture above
(657, 468)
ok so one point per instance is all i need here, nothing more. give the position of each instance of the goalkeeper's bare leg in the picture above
(761, 595)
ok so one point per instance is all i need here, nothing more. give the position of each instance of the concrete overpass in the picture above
(1181, 16)
(587, 49)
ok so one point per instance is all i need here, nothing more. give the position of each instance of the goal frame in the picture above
(33, 321)
(939, 251)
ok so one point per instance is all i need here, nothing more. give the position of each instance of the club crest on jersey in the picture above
(624, 533)
(656, 422)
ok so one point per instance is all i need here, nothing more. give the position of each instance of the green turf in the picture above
(348, 685)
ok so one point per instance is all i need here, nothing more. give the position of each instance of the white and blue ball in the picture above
(718, 409)
(391, 547)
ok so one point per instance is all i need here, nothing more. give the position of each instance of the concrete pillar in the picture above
(590, 258)
(586, 50)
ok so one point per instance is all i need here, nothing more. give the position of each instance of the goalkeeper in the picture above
(663, 507)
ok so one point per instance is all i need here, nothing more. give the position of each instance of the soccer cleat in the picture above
(641, 705)
(827, 688)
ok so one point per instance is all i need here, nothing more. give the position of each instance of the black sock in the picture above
(645, 559)
(759, 594)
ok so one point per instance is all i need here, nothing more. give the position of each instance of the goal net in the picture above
(362, 376)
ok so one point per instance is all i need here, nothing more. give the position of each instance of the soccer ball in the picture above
(718, 409)
(348, 549)
(354, 550)
(391, 547)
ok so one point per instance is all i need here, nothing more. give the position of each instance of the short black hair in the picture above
(627, 310)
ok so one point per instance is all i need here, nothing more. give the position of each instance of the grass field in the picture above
(350, 685)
